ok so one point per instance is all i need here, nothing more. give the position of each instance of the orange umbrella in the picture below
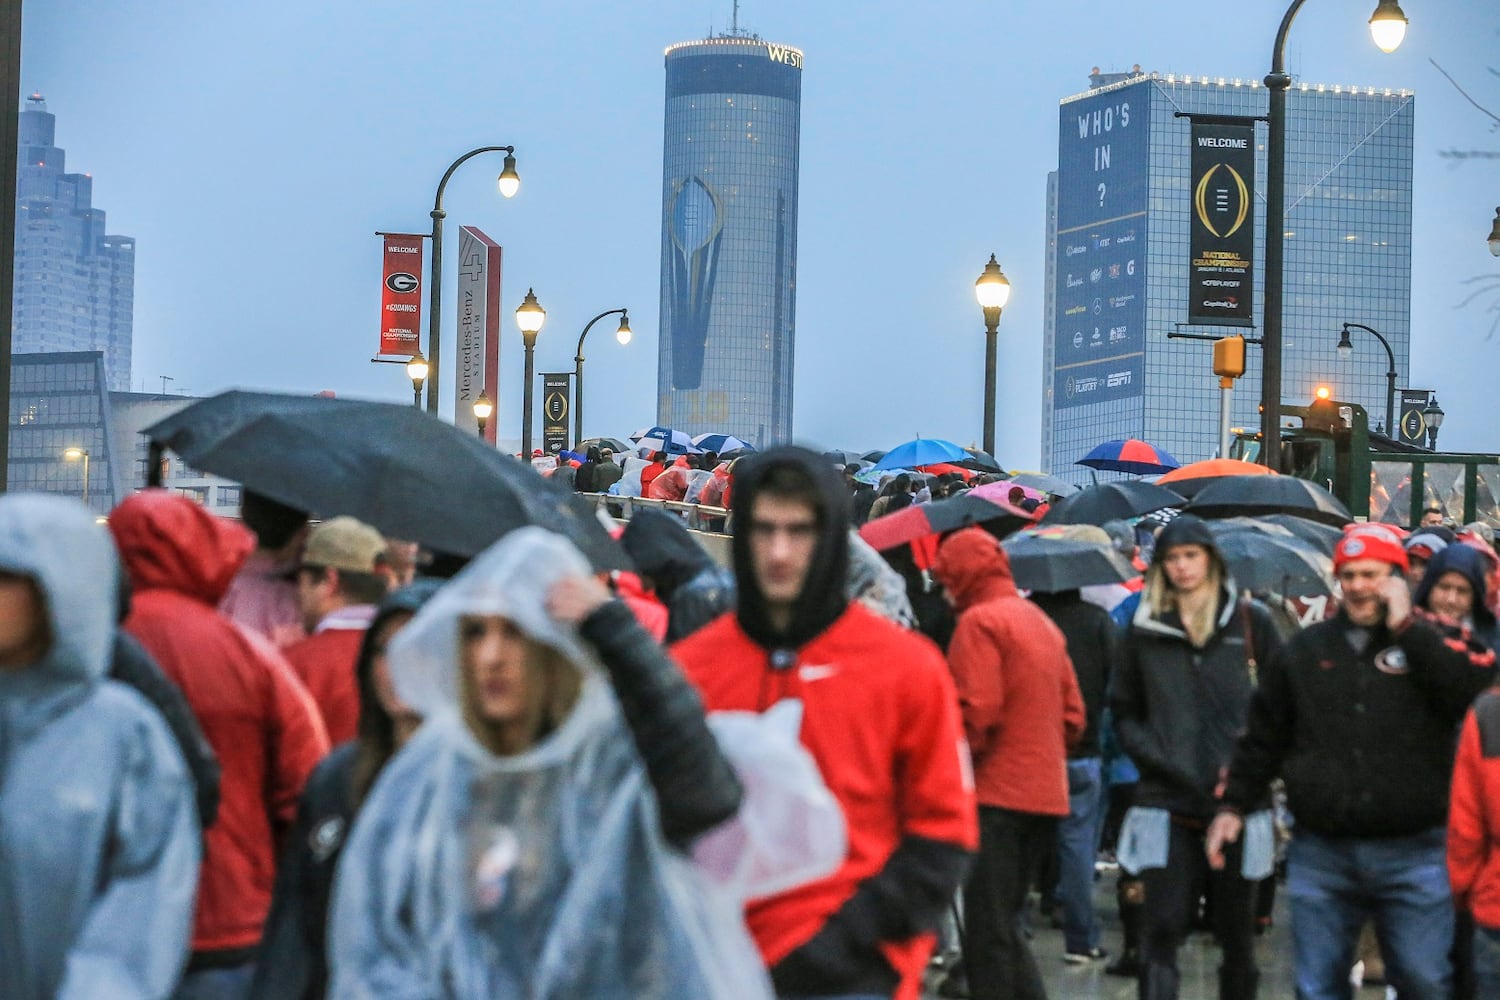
(1191, 478)
(1213, 468)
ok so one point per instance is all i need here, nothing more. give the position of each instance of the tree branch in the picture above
(1492, 116)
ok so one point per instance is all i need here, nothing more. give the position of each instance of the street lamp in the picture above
(1433, 414)
(993, 291)
(529, 317)
(416, 370)
(72, 454)
(622, 335)
(1346, 351)
(1388, 27)
(508, 182)
(1495, 235)
(482, 410)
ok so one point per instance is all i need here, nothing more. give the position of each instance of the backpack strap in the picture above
(1244, 613)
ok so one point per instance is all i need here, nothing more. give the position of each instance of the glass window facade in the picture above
(729, 238)
(1347, 259)
(57, 402)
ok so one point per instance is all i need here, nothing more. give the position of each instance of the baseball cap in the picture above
(1369, 542)
(346, 544)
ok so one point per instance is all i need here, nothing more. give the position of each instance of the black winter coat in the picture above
(1094, 648)
(1179, 710)
(1364, 741)
(293, 959)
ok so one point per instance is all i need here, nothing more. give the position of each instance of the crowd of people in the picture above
(283, 758)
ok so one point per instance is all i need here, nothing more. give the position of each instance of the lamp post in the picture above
(1388, 27)
(529, 317)
(482, 410)
(1346, 351)
(622, 335)
(1494, 239)
(83, 453)
(416, 370)
(993, 291)
(508, 182)
(1433, 414)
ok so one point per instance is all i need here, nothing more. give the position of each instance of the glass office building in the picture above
(74, 283)
(59, 401)
(729, 238)
(1118, 218)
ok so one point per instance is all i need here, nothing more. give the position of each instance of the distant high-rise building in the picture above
(1118, 216)
(74, 283)
(729, 237)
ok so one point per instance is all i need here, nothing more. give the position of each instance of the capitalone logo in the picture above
(1231, 200)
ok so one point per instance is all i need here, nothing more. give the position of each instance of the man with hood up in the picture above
(1021, 710)
(258, 717)
(1453, 587)
(98, 836)
(880, 718)
(685, 578)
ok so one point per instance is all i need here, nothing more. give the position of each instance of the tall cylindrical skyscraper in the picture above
(729, 237)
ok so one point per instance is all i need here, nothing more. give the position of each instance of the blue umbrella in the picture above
(665, 439)
(922, 451)
(721, 444)
(1130, 455)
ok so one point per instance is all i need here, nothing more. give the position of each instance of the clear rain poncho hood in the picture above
(545, 874)
(99, 842)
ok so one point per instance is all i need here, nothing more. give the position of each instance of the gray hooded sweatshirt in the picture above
(99, 837)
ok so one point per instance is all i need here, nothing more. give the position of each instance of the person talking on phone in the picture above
(1358, 715)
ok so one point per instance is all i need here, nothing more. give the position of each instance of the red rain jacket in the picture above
(258, 717)
(880, 719)
(325, 662)
(1019, 697)
(1474, 813)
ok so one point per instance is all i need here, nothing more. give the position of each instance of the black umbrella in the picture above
(1255, 496)
(1050, 565)
(613, 444)
(872, 456)
(1044, 483)
(1323, 537)
(840, 457)
(394, 467)
(1267, 557)
(1111, 501)
(980, 461)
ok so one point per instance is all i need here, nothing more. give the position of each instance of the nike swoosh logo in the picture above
(817, 672)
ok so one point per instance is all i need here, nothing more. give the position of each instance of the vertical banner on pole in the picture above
(1221, 241)
(401, 295)
(557, 411)
(1413, 422)
(476, 364)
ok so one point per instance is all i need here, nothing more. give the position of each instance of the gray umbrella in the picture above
(394, 467)
(1103, 502)
(1044, 483)
(1268, 557)
(1051, 565)
(1254, 496)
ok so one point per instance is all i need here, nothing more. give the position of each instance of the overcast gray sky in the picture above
(254, 149)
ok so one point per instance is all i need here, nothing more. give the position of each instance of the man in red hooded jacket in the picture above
(1021, 710)
(258, 717)
(879, 717)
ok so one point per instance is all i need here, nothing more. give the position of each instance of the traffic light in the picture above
(1229, 356)
(1323, 392)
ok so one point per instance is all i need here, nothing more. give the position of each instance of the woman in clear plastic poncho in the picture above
(566, 823)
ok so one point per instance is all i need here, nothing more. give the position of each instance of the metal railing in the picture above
(698, 517)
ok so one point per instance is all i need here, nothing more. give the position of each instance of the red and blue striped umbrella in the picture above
(1131, 455)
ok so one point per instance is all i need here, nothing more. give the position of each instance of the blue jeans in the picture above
(1486, 961)
(1402, 882)
(1077, 847)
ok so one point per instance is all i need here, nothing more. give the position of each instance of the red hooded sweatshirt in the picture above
(258, 717)
(1016, 688)
(881, 720)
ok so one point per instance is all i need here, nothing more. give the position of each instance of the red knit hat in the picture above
(1369, 541)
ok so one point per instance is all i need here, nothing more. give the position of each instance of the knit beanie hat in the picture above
(1368, 542)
